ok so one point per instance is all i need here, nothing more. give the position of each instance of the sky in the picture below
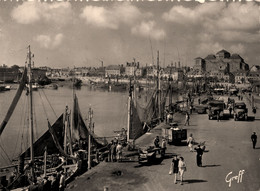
(68, 34)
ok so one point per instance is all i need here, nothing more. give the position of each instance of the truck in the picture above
(240, 111)
(173, 134)
(215, 108)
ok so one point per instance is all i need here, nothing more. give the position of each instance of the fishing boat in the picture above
(67, 145)
(145, 111)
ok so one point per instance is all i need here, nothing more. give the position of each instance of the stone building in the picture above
(133, 68)
(223, 61)
(113, 70)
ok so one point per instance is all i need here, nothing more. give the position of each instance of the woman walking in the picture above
(182, 169)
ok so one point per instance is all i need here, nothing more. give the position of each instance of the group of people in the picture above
(57, 183)
(115, 151)
(178, 166)
(163, 145)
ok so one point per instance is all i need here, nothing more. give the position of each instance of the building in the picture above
(175, 74)
(223, 61)
(254, 74)
(133, 68)
(241, 77)
(9, 74)
(113, 70)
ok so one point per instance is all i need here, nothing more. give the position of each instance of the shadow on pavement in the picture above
(190, 181)
(257, 148)
(156, 161)
(211, 165)
(169, 155)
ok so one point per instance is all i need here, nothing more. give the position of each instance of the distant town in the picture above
(220, 67)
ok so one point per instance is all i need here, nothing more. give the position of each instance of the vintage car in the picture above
(240, 111)
(215, 108)
(201, 109)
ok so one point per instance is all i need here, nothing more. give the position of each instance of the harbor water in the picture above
(110, 114)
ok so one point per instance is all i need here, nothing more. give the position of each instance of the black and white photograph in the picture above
(129, 95)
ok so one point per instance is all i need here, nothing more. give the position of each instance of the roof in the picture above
(113, 67)
(223, 51)
(235, 56)
(210, 57)
(198, 58)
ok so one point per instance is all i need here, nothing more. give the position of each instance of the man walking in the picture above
(254, 139)
(187, 119)
(163, 147)
(199, 156)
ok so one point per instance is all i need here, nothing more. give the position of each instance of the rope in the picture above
(49, 103)
(22, 116)
(44, 107)
(24, 128)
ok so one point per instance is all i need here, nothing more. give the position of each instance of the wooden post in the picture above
(45, 162)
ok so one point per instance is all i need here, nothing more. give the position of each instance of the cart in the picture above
(173, 134)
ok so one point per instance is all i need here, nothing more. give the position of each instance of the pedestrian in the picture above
(156, 142)
(254, 139)
(187, 119)
(164, 144)
(191, 108)
(113, 152)
(230, 110)
(218, 115)
(62, 182)
(182, 169)
(119, 151)
(254, 110)
(175, 167)
(190, 142)
(199, 155)
(199, 101)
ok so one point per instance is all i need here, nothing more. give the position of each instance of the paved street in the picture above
(229, 150)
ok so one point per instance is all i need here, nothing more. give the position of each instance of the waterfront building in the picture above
(151, 71)
(9, 74)
(241, 77)
(222, 61)
(254, 73)
(112, 70)
(133, 68)
(176, 74)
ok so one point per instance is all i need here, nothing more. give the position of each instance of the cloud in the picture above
(148, 29)
(209, 16)
(33, 11)
(238, 16)
(186, 16)
(238, 48)
(47, 41)
(112, 17)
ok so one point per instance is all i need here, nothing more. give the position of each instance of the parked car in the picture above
(216, 108)
(240, 111)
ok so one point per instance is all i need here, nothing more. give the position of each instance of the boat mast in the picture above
(31, 112)
(129, 112)
(158, 87)
(89, 137)
(170, 78)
